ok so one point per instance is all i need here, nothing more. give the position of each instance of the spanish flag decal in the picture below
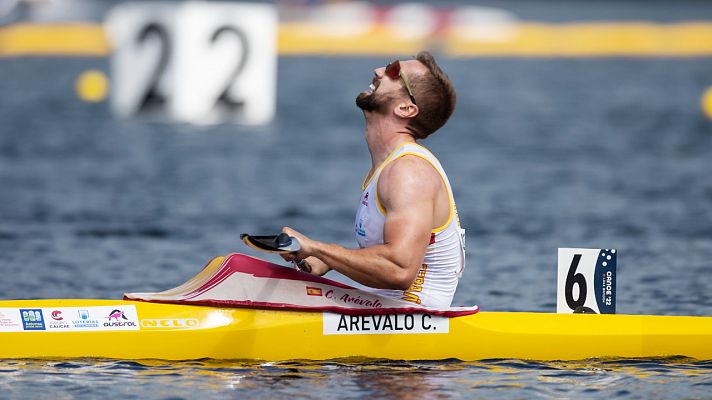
(313, 291)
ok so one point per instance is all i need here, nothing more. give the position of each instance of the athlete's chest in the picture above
(369, 222)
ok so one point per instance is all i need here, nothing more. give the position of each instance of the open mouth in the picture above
(374, 85)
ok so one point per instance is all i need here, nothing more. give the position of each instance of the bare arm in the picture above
(407, 189)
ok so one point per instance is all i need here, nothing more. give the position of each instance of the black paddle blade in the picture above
(281, 243)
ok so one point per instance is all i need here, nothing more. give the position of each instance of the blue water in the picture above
(353, 379)
(542, 154)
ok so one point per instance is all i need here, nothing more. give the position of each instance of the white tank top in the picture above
(444, 261)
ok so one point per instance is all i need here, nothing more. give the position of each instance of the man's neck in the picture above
(382, 138)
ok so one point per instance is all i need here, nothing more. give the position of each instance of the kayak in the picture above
(132, 330)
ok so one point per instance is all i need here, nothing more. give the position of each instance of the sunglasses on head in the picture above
(393, 71)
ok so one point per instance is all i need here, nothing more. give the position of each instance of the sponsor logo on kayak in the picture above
(57, 321)
(32, 319)
(85, 320)
(9, 321)
(339, 324)
(117, 318)
(313, 291)
(351, 300)
(170, 323)
(56, 315)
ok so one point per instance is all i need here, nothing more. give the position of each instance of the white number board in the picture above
(194, 62)
(586, 281)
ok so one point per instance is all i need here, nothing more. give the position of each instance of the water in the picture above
(640, 379)
(542, 154)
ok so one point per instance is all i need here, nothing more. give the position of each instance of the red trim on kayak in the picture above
(337, 310)
(259, 269)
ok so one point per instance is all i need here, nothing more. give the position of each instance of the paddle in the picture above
(281, 243)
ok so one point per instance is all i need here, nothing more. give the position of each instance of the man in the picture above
(407, 228)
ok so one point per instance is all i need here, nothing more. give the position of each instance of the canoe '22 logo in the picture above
(117, 318)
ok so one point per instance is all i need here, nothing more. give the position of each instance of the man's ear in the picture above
(406, 110)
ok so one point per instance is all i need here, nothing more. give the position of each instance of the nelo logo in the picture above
(170, 323)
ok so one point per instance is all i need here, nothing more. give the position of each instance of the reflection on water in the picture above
(658, 378)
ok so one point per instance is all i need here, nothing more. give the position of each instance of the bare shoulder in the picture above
(410, 166)
(408, 176)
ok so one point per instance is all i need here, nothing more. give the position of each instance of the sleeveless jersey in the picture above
(444, 261)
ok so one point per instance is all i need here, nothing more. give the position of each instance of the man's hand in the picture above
(307, 245)
(317, 266)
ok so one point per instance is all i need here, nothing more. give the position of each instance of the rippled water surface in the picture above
(644, 379)
(542, 154)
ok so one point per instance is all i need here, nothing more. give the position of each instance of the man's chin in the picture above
(366, 101)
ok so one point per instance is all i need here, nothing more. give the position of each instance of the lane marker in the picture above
(92, 86)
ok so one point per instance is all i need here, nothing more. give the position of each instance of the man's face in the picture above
(371, 100)
(383, 90)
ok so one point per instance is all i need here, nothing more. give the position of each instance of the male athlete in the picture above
(407, 226)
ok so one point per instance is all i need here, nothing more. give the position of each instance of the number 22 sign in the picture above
(194, 62)
(586, 281)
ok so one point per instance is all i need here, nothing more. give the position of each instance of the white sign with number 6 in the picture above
(586, 281)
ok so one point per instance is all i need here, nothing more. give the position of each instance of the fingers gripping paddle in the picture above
(281, 243)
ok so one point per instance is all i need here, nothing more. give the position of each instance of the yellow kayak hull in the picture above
(183, 332)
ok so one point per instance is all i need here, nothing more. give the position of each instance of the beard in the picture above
(371, 102)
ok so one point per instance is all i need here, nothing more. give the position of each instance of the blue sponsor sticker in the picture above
(32, 319)
(85, 320)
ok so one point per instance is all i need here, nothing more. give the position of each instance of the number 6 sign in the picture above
(586, 281)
